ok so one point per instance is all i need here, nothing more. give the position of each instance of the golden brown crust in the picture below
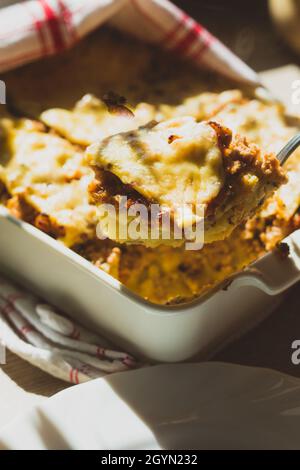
(241, 159)
(45, 223)
(224, 134)
(21, 209)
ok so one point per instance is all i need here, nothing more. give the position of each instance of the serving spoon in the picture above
(289, 148)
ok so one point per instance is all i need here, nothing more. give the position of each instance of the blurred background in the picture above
(264, 33)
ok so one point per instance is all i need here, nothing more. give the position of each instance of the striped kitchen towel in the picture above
(31, 29)
(47, 339)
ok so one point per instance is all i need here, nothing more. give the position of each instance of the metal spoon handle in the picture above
(289, 148)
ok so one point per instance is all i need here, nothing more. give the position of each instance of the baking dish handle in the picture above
(273, 273)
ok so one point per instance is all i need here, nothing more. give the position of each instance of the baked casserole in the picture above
(46, 180)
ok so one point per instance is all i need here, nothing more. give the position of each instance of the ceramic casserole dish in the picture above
(159, 333)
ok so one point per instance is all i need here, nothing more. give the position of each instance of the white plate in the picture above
(184, 406)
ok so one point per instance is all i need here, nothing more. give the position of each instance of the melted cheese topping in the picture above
(260, 122)
(90, 120)
(50, 174)
(201, 106)
(174, 163)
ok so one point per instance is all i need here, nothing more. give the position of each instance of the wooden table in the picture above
(248, 31)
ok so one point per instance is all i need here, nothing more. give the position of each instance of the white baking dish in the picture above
(170, 333)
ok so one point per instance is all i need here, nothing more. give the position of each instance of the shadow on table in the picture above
(269, 344)
(214, 406)
(30, 378)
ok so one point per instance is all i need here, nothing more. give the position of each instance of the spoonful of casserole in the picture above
(168, 182)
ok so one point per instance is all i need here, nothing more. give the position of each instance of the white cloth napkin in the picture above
(176, 406)
(36, 28)
(52, 342)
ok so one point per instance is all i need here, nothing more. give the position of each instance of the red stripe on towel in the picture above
(26, 329)
(100, 352)
(16, 296)
(75, 334)
(38, 26)
(194, 34)
(7, 309)
(171, 34)
(53, 22)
